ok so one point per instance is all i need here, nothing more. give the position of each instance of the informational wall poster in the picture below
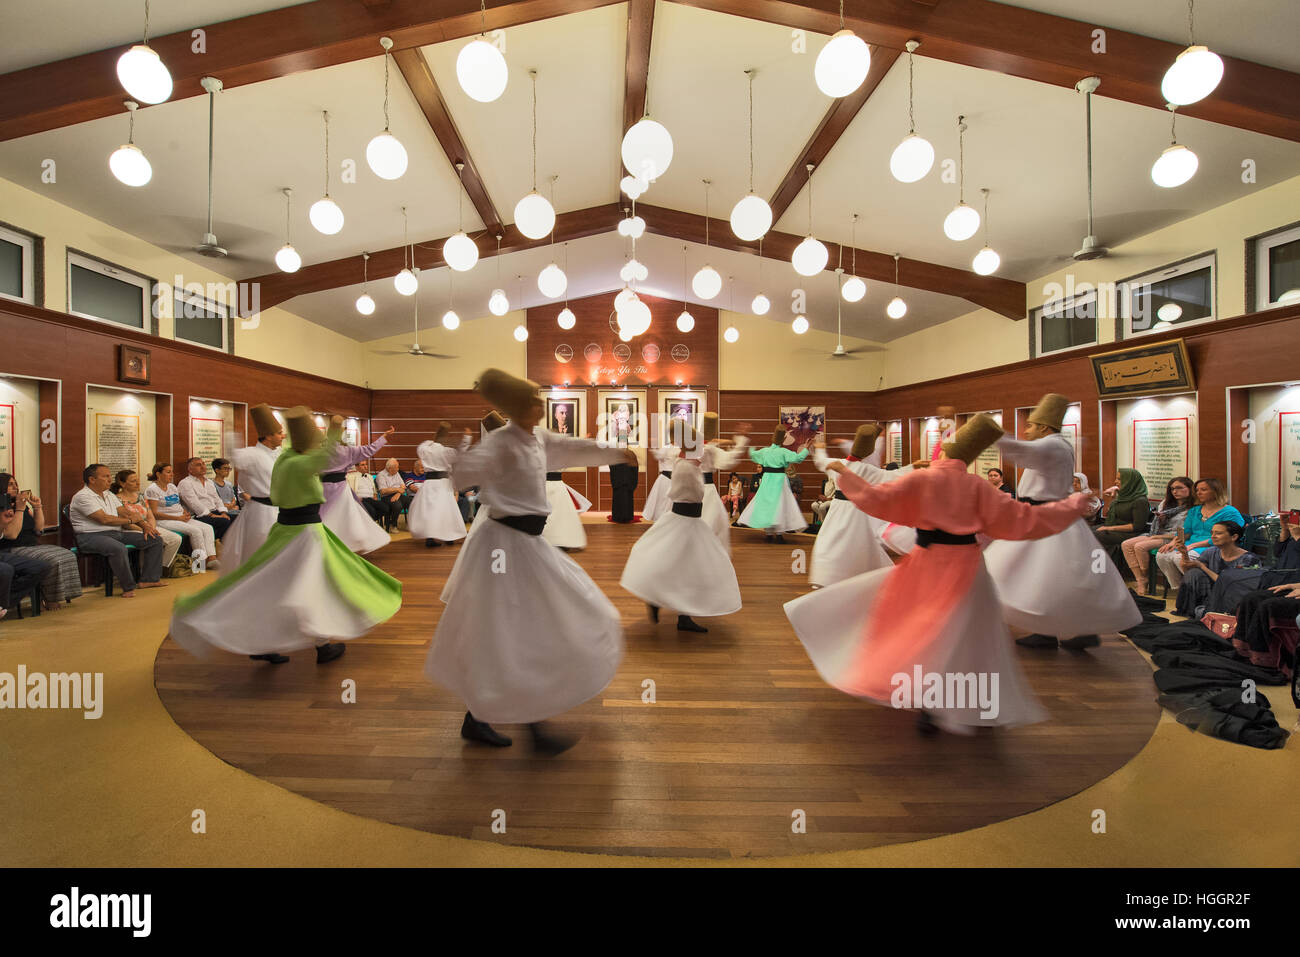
(1160, 449)
(896, 442)
(931, 440)
(7, 463)
(1071, 431)
(1288, 481)
(205, 440)
(117, 441)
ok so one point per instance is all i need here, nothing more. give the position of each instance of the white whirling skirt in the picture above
(433, 512)
(832, 624)
(657, 503)
(246, 534)
(680, 564)
(347, 518)
(899, 539)
(847, 545)
(788, 517)
(482, 517)
(716, 516)
(1048, 585)
(583, 503)
(563, 526)
(526, 634)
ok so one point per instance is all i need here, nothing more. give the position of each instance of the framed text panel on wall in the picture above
(932, 437)
(1160, 449)
(117, 441)
(1288, 461)
(1071, 432)
(990, 458)
(8, 457)
(894, 447)
(206, 440)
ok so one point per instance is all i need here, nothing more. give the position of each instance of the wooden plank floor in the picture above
(743, 732)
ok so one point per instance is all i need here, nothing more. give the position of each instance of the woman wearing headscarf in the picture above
(1126, 511)
(1094, 501)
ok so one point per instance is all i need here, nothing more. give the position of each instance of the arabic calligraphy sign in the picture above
(1145, 370)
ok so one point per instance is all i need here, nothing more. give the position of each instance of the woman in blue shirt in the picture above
(1211, 508)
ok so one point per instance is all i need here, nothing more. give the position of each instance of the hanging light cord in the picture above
(365, 270)
(498, 261)
(760, 262)
(482, 9)
(327, 153)
(146, 22)
(751, 129)
(1191, 25)
(706, 214)
(986, 216)
(895, 272)
(406, 241)
(911, 118)
(288, 201)
(566, 273)
(810, 172)
(534, 75)
(684, 249)
(841, 14)
(854, 234)
(386, 90)
(130, 136)
(961, 159)
(554, 177)
(1173, 128)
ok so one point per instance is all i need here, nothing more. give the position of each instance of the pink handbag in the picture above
(1224, 626)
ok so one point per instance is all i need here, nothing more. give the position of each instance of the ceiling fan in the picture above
(1091, 248)
(415, 349)
(839, 352)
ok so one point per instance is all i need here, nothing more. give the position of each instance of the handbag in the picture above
(181, 567)
(1223, 626)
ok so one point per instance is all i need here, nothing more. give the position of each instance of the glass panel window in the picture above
(200, 320)
(1176, 295)
(17, 266)
(107, 293)
(1277, 268)
(1067, 325)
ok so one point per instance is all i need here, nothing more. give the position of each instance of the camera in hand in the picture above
(7, 502)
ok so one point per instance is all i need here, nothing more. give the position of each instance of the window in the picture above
(201, 321)
(1277, 268)
(1179, 294)
(1066, 323)
(107, 293)
(17, 265)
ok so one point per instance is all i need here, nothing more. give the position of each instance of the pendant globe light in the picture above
(325, 214)
(647, 150)
(521, 330)
(566, 318)
(480, 67)
(963, 222)
(853, 288)
(800, 325)
(459, 251)
(810, 256)
(128, 163)
(450, 320)
(685, 321)
(751, 218)
(986, 261)
(287, 257)
(843, 63)
(633, 186)
(707, 283)
(1195, 73)
(551, 281)
(385, 153)
(534, 216)
(498, 303)
(731, 334)
(405, 282)
(1177, 164)
(365, 305)
(632, 226)
(141, 72)
(897, 308)
(913, 157)
(760, 304)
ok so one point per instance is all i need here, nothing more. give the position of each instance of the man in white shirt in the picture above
(100, 531)
(199, 495)
(391, 487)
(363, 487)
(253, 473)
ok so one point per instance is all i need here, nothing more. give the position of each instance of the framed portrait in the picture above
(802, 423)
(133, 365)
(622, 420)
(562, 416)
(686, 409)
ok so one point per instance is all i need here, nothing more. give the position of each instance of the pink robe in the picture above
(936, 610)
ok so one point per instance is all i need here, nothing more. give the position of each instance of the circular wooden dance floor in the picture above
(742, 733)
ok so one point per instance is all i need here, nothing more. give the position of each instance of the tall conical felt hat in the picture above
(683, 435)
(512, 395)
(778, 435)
(492, 421)
(303, 433)
(444, 428)
(264, 420)
(1050, 410)
(710, 426)
(864, 440)
(979, 432)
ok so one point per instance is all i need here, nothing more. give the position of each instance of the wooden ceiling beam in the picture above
(1046, 48)
(1003, 296)
(640, 26)
(262, 46)
(829, 131)
(419, 79)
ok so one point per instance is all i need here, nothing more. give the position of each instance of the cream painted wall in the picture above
(475, 345)
(276, 336)
(24, 396)
(769, 356)
(1265, 403)
(980, 339)
(123, 402)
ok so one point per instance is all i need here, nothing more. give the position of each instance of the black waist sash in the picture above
(260, 500)
(1039, 501)
(666, 475)
(772, 470)
(302, 515)
(708, 478)
(841, 496)
(925, 537)
(528, 524)
(555, 476)
(334, 477)
(428, 475)
(691, 509)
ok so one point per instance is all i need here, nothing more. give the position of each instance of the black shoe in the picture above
(653, 611)
(780, 539)
(685, 623)
(548, 743)
(472, 729)
(329, 651)
(925, 724)
(431, 543)
(1080, 642)
(1037, 641)
(273, 658)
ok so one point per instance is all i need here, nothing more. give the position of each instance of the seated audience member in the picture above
(796, 482)
(1094, 502)
(17, 574)
(1202, 572)
(1256, 636)
(998, 481)
(755, 480)
(1211, 506)
(199, 495)
(132, 504)
(1168, 519)
(734, 500)
(164, 501)
(230, 493)
(823, 503)
(393, 499)
(364, 491)
(467, 502)
(414, 478)
(100, 530)
(1126, 513)
(18, 539)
